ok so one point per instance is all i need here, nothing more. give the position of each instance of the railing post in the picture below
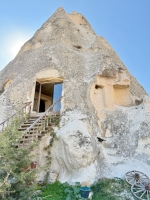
(20, 112)
(41, 123)
(32, 134)
(3, 126)
(45, 124)
(29, 111)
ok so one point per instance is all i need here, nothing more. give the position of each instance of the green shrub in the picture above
(111, 189)
(58, 191)
(16, 182)
(104, 189)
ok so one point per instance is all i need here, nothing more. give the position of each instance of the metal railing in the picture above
(23, 113)
(43, 123)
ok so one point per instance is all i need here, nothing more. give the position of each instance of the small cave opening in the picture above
(98, 87)
(7, 84)
(138, 102)
(77, 46)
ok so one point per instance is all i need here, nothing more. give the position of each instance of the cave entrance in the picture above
(45, 95)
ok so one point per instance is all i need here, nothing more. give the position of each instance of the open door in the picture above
(45, 95)
(56, 95)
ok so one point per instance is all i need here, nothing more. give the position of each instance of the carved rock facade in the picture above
(101, 99)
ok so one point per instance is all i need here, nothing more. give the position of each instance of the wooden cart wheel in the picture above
(134, 177)
(141, 190)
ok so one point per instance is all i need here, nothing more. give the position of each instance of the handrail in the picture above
(36, 129)
(27, 104)
(32, 125)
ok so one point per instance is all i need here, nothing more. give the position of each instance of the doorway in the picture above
(42, 106)
(45, 95)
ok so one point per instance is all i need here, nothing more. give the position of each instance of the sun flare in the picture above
(16, 45)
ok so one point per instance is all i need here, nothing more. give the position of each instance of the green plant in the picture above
(111, 189)
(56, 190)
(73, 192)
(55, 121)
(27, 115)
(59, 191)
(104, 189)
(16, 175)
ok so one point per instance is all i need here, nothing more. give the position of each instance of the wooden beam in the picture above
(38, 108)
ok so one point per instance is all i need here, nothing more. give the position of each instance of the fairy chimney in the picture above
(100, 99)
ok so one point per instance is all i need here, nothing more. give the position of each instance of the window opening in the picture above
(98, 87)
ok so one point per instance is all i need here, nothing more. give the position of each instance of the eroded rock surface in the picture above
(77, 160)
(100, 99)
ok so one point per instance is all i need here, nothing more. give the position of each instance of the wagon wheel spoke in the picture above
(141, 182)
(147, 195)
(132, 173)
(131, 180)
(136, 176)
(144, 178)
(139, 191)
(140, 186)
(129, 175)
(143, 175)
(143, 194)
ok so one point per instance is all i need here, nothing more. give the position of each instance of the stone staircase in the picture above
(42, 126)
(35, 126)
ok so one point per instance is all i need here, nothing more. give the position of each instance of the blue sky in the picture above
(125, 24)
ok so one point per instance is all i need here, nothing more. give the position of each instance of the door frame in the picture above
(40, 90)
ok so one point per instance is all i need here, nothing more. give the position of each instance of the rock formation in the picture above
(100, 99)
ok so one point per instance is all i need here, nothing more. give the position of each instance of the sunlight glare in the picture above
(16, 44)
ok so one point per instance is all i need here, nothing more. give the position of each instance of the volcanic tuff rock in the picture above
(101, 99)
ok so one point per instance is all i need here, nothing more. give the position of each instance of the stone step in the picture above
(23, 145)
(32, 135)
(49, 128)
(37, 126)
(28, 125)
(25, 128)
(35, 132)
(28, 140)
(34, 116)
(34, 119)
(52, 114)
(29, 122)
